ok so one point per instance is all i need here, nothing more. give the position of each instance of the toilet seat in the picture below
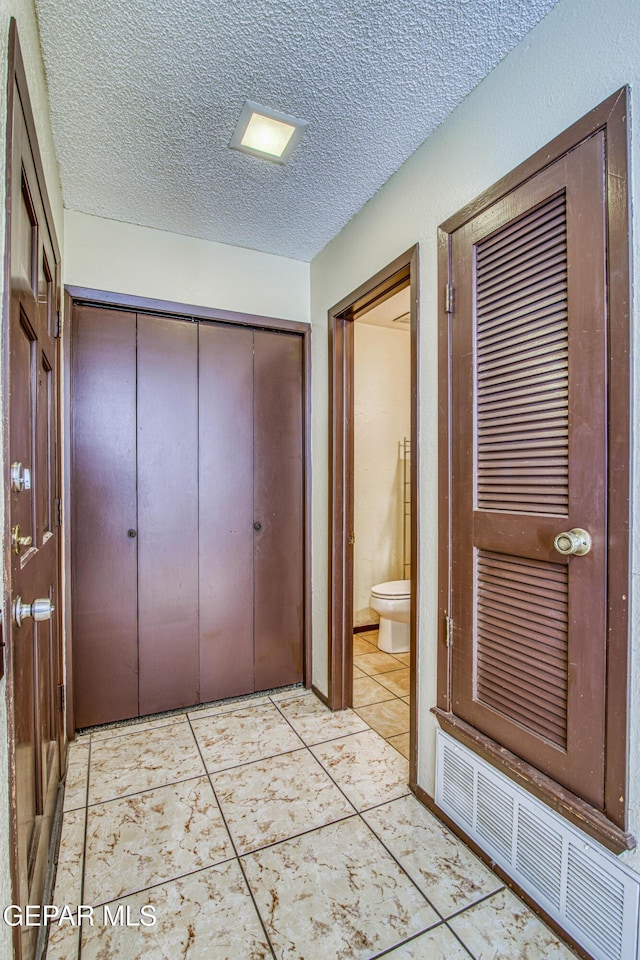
(392, 590)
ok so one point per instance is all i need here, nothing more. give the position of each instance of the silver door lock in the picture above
(40, 610)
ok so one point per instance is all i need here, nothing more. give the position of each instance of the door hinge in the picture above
(351, 538)
(448, 631)
(448, 298)
(58, 325)
(57, 505)
(61, 697)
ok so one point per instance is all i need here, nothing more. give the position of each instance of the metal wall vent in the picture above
(593, 895)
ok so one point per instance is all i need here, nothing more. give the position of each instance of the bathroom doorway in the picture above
(374, 501)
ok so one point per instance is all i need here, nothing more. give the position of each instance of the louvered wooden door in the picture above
(529, 461)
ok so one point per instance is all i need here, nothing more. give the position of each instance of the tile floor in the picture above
(381, 689)
(270, 828)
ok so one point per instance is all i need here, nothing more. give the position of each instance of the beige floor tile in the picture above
(75, 788)
(152, 837)
(334, 893)
(314, 722)
(367, 769)
(407, 699)
(401, 743)
(404, 657)
(255, 733)
(207, 915)
(136, 726)
(503, 928)
(358, 673)
(362, 646)
(226, 706)
(64, 942)
(389, 719)
(278, 798)
(373, 663)
(297, 691)
(68, 888)
(438, 944)
(398, 682)
(367, 690)
(142, 761)
(441, 865)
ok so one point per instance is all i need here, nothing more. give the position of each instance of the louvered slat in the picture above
(520, 622)
(522, 364)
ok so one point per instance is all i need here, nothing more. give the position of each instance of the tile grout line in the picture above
(84, 848)
(233, 845)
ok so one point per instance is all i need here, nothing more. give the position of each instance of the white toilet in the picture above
(392, 601)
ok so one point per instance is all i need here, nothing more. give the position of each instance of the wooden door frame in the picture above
(182, 311)
(610, 117)
(396, 275)
(17, 78)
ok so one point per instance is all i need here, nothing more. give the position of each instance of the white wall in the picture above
(23, 11)
(382, 414)
(125, 258)
(577, 56)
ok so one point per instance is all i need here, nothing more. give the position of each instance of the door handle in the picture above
(18, 542)
(40, 610)
(574, 542)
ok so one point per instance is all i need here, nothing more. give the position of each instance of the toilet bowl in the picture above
(392, 601)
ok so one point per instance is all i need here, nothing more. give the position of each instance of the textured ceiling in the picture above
(145, 95)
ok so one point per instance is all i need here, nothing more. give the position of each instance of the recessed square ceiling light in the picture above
(267, 133)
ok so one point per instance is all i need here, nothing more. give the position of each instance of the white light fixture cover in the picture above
(267, 133)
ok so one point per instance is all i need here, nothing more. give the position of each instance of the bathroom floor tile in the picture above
(362, 646)
(389, 718)
(314, 722)
(207, 915)
(398, 682)
(401, 744)
(379, 662)
(437, 944)
(404, 657)
(152, 837)
(141, 761)
(242, 736)
(75, 789)
(278, 798)
(334, 893)
(357, 673)
(503, 928)
(366, 768)
(446, 871)
(367, 690)
(406, 699)
(136, 726)
(68, 888)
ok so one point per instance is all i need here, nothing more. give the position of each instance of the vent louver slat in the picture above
(517, 627)
(586, 889)
(522, 363)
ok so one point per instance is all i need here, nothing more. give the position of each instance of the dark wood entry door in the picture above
(529, 426)
(188, 521)
(32, 531)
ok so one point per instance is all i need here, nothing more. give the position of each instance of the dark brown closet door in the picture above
(226, 511)
(167, 513)
(529, 403)
(278, 509)
(105, 611)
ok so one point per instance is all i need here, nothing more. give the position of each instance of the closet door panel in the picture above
(278, 508)
(105, 614)
(226, 511)
(167, 513)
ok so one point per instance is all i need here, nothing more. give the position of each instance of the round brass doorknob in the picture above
(574, 542)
